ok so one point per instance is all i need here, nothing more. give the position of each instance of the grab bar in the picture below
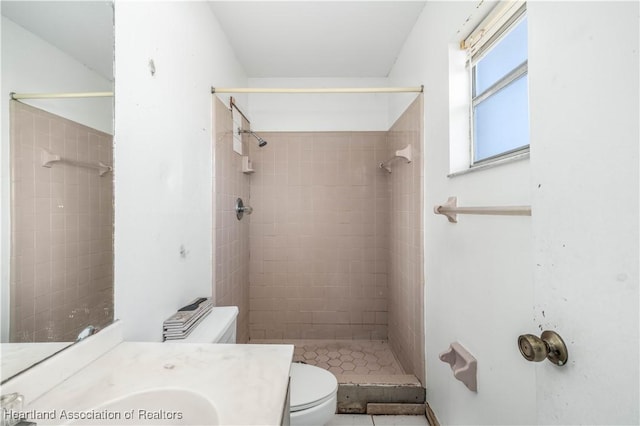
(451, 210)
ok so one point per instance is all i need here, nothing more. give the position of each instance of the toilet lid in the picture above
(310, 386)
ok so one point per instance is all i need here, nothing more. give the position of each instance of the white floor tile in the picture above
(400, 420)
(350, 420)
(366, 420)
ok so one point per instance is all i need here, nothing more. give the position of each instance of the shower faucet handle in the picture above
(241, 209)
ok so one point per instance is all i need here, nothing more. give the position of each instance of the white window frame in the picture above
(498, 23)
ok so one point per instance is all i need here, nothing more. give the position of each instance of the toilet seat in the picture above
(311, 386)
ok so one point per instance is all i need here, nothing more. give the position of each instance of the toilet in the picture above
(313, 391)
(313, 395)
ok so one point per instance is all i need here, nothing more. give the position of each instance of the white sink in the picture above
(155, 407)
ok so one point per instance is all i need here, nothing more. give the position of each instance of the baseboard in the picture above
(431, 416)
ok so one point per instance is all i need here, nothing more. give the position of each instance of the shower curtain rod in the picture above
(17, 96)
(418, 89)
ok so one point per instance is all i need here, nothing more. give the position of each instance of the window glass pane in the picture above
(506, 55)
(501, 122)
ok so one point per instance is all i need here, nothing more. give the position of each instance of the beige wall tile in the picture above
(58, 287)
(230, 237)
(405, 275)
(325, 208)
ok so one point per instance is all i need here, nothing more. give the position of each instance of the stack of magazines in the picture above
(181, 324)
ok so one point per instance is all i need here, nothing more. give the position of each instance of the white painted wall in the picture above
(584, 72)
(319, 112)
(163, 183)
(484, 274)
(31, 64)
(478, 285)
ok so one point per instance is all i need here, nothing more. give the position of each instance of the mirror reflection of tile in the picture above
(62, 229)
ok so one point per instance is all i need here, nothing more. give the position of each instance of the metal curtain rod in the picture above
(232, 104)
(419, 89)
(17, 96)
(451, 210)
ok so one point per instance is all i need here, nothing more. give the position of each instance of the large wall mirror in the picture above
(57, 176)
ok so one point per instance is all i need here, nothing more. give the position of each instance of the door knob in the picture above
(549, 345)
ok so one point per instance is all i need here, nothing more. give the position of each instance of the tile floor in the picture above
(344, 357)
(366, 420)
(355, 358)
(348, 357)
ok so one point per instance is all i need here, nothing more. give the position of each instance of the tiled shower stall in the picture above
(333, 249)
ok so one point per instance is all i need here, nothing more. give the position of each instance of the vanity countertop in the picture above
(247, 384)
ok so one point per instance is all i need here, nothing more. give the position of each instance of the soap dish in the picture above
(463, 364)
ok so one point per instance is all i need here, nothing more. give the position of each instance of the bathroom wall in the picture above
(163, 154)
(570, 267)
(230, 235)
(406, 278)
(319, 236)
(34, 73)
(319, 112)
(62, 229)
(478, 272)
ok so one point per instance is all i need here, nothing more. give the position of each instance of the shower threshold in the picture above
(370, 378)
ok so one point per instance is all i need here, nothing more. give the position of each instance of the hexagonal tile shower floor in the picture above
(345, 357)
(368, 374)
(349, 357)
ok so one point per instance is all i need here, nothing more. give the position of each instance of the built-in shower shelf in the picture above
(247, 166)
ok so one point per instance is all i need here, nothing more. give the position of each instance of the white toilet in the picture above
(313, 392)
(313, 395)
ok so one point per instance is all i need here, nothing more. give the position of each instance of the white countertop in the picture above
(247, 384)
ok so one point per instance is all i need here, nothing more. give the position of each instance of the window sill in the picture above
(489, 165)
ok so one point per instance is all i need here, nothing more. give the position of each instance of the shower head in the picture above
(261, 142)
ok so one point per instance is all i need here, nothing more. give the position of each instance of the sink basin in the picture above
(152, 407)
(153, 383)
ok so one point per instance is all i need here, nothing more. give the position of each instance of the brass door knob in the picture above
(532, 348)
(549, 345)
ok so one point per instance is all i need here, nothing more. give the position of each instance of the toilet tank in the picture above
(217, 327)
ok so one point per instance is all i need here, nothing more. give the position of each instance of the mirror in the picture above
(57, 192)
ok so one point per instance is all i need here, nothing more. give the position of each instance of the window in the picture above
(498, 52)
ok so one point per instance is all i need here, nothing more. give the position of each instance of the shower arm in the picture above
(261, 142)
(251, 132)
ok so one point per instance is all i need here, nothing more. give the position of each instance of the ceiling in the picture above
(317, 38)
(270, 38)
(82, 29)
